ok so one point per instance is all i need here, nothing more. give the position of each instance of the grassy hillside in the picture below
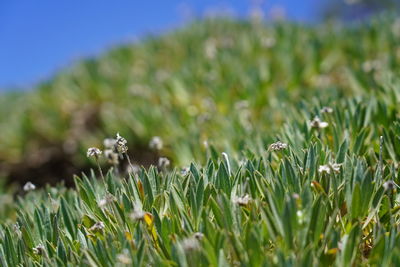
(219, 81)
(327, 195)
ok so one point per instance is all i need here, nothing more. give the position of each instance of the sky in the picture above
(40, 37)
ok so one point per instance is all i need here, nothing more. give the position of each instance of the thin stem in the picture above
(100, 170)
(129, 161)
(380, 156)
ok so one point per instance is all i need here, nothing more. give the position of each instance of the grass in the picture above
(329, 198)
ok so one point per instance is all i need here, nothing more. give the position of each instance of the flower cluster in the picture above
(29, 187)
(328, 168)
(99, 226)
(39, 249)
(326, 110)
(163, 162)
(318, 124)
(277, 146)
(242, 201)
(389, 185)
(156, 143)
(93, 152)
(121, 144)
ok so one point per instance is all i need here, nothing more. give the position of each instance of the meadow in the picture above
(239, 143)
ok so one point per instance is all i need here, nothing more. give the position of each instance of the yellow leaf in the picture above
(148, 218)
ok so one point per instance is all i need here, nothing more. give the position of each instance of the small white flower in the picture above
(17, 229)
(242, 201)
(121, 144)
(93, 152)
(324, 169)
(109, 143)
(156, 143)
(137, 214)
(185, 171)
(39, 249)
(326, 110)
(335, 167)
(318, 124)
(111, 156)
(163, 162)
(198, 235)
(268, 42)
(29, 186)
(389, 185)
(277, 146)
(190, 244)
(124, 257)
(106, 200)
(97, 227)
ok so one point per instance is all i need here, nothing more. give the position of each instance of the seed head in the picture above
(120, 144)
(156, 143)
(277, 146)
(93, 152)
(318, 124)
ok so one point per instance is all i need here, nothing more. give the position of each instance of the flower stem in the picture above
(100, 170)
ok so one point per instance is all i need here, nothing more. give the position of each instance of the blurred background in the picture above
(40, 37)
(75, 72)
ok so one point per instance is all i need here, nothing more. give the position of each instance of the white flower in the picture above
(97, 227)
(156, 143)
(198, 235)
(335, 167)
(389, 185)
(137, 214)
(318, 124)
(39, 249)
(106, 200)
(277, 146)
(93, 152)
(242, 201)
(109, 143)
(324, 169)
(190, 244)
(120, 144)
(326, 110)
(163, 162)
(17, 229)
(185, 171)
(124, 257)
(29, 186)
(111, 156)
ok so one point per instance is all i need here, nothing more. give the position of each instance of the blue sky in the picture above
(40, 37)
